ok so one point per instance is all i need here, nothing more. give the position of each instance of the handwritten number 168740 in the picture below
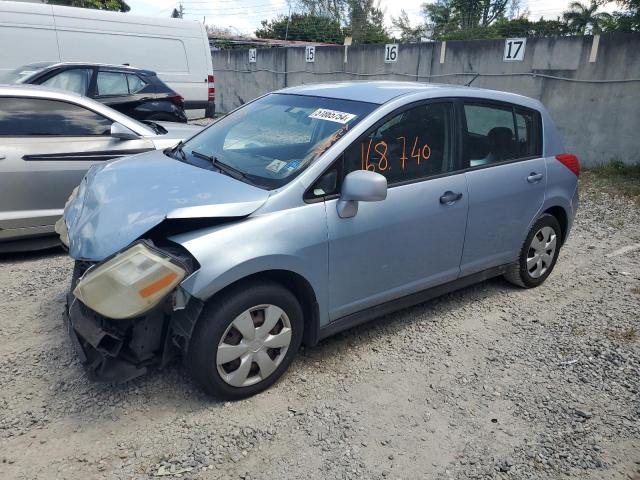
(381, 164)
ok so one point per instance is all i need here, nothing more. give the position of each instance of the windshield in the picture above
(19, 75)
(272, 140)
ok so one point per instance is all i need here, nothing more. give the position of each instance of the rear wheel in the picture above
(538, 255)
(245, 340)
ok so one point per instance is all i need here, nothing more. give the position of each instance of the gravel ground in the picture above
(488, 382)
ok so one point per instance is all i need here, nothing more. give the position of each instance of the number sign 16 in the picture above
(514, 49)
(391, 53)
(310, 54)
(252, 55)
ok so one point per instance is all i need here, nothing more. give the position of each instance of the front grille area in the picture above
(79, 268)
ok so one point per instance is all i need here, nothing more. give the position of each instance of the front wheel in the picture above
(245, 340)
(538, 255)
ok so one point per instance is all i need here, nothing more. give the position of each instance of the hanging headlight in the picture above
(129, 284)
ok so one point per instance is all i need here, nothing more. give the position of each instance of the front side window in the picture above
(413, 144)
(500, 133)
(270, 141)
(37, 116)
(112, 83)
(75, 80)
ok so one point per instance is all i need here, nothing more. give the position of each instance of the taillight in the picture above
(177, 100)
(212, 88)
(570, 161)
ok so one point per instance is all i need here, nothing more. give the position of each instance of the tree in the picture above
(304, 27)
(333, 9)
(440, 17)
(116, 5)
(627, 20)
(408, 33)
(366, 22)
(583, 19)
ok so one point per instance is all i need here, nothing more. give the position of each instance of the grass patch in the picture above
(616, 178)
(627, 334)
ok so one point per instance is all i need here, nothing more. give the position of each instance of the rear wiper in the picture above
(228, 169)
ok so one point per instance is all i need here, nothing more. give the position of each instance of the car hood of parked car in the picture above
(120, 201)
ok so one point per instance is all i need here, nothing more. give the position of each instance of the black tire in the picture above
(218, 314)
(518, 274)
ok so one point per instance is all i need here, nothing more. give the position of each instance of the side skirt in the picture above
(368, 314)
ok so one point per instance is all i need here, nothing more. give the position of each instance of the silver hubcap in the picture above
(541, 252)
(253, 345)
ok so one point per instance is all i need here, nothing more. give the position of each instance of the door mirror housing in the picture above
(360, 186)
(123, 133)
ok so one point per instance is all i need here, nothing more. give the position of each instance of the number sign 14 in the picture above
(514, 49)
(310, 54)
(252, 55)
(391, 53)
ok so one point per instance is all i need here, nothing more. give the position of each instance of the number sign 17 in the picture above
(252, 55)
(514, 49)
(391, 53)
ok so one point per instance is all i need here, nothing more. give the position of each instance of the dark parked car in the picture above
(140, 94)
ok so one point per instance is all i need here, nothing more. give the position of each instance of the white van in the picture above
(177, 50)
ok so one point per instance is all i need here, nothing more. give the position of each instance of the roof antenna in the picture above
(472, 80)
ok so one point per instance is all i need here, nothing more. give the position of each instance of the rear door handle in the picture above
(534, 177)
(449, 197)
(2, 156)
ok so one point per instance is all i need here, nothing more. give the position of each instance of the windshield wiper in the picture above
(178, 149)
(223, 167)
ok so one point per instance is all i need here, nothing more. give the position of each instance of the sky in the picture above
(245, 16)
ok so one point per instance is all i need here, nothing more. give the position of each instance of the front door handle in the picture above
(449, 197)
(534, 177)
(2, 156)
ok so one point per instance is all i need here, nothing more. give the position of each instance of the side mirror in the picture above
(123, 133)
(360, 186)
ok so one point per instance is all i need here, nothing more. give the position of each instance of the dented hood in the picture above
(120, 201)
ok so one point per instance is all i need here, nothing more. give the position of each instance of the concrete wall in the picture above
(598, 117)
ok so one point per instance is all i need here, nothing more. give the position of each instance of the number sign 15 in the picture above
(310, 54)
(514, 49)
(391, 53)
(252, 55)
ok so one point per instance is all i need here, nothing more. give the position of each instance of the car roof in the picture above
(38, 91)
(122, 68)
(382, 91)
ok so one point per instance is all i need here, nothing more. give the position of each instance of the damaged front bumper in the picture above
(121, 350)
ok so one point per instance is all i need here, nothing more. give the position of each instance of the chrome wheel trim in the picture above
(253, 345)
(541, 252)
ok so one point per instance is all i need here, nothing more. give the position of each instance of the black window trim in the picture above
(514, 107)
(56, 136)
(456, 147)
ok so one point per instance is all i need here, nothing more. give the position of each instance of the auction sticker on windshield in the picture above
(276, 166)
(332, 115)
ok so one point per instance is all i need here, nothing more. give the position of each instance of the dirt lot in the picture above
(489, 382)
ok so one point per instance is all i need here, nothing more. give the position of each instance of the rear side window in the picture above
(410, 145)
(497, 133)
(112, 83)
(135, 83)
(37, 116)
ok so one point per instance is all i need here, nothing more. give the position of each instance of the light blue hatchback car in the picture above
(306, 212)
